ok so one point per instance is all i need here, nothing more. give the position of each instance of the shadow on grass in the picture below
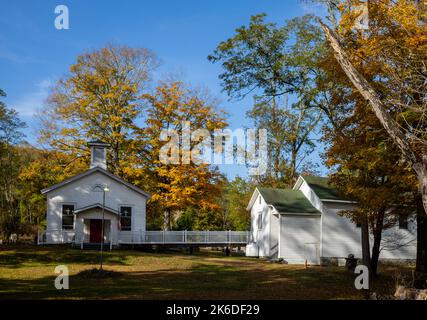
(175, 275)
(201, 282)
(16, 258)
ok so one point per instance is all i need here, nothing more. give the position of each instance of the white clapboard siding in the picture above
(297, 235)
(340, 236)
(81, 194)
(261, 235)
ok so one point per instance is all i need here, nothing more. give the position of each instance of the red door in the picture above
(95, 230)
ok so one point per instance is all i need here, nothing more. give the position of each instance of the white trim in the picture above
(300, 214)
(321, 238)
(279, 238)
(298, 183)
(341, 201)
(253, 199)
(94, 206)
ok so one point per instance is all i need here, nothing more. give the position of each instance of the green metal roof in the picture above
(322, 188)
(287, 201)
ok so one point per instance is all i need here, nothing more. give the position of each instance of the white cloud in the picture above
(33, 101)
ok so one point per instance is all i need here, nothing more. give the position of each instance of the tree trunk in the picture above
(400, 138)
(167, 220)
(366, 254)
(293, 164)
(421, 171)
(421, 264)
(116, 160)
(377, 231)
(375, 254)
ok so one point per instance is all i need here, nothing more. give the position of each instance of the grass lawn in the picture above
(28, 273)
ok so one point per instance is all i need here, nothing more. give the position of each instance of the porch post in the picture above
(111, 234)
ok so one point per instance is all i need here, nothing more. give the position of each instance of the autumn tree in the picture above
(172, 114)
(274, 62)
(42, 169)
(393, 51)
(371, 172)
(100, 99)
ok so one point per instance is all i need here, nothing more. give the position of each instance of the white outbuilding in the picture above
(303, 225)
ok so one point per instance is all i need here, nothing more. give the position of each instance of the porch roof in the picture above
(95, 206)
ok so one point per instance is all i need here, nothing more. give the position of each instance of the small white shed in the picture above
(303, 225)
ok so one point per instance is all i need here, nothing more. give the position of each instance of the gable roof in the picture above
(323, 188)
(95, 206)
(90, 171)
(287, 201)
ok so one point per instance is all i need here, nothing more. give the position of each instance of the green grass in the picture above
(28, 273)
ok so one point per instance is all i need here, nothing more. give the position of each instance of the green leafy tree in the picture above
(236, 196)
(271, 62)
(10, 164)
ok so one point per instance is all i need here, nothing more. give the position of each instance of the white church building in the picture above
(76, 206)
(302, 225)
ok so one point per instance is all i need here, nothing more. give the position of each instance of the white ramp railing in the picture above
(56, 236)
(185, 237)
(151, 237)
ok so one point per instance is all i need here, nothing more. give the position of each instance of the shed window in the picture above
(403, 222)
(67, 216)
(260, 221)
(126, 218)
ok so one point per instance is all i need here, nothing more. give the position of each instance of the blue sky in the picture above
(33, 54)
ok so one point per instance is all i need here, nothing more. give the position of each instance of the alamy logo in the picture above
(62, 21)
(61, 281)
(223, 146)
(362, 280)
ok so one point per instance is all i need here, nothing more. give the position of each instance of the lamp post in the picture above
(105, 189)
